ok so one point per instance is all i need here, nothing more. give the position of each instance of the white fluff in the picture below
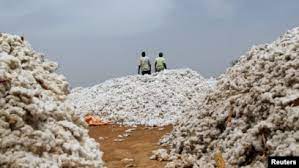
(37, 126)
(157, 99)
(251, 114)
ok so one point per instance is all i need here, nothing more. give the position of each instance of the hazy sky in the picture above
(96, 40)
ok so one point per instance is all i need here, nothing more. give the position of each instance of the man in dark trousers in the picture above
(144, 64)
(160, 63)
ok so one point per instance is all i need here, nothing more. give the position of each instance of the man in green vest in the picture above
(160, 63)
(144, 65)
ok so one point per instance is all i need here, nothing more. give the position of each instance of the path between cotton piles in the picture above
(134, 150)
(152, 100)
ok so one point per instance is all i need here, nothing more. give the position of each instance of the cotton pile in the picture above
(157, 99)
(252, 113)
(37, 127)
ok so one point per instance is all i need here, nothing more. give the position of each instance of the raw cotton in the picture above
(157, 99)
(37, 127)
(252, 113)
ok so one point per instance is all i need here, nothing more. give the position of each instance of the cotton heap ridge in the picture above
(252, 113)
(37, 127)
(158, 99)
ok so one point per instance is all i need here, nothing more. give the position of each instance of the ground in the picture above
(134, 150)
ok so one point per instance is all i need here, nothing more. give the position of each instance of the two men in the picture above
(145, 65)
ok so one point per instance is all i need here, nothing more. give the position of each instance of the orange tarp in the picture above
(94, 120)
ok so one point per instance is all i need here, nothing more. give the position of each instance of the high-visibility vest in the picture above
(160, 61)
(144, 64)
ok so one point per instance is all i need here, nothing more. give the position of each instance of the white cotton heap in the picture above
(252, 113)
(37, 127)
(158, 99)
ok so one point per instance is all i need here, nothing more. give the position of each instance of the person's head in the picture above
(160, 54)
(143, 54)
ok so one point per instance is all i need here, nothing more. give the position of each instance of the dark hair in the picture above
(160, 54)
(143, 54)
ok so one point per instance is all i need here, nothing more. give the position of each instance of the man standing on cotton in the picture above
(144, 64)
(160, 63)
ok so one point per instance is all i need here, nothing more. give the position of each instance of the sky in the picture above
(96, 40)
